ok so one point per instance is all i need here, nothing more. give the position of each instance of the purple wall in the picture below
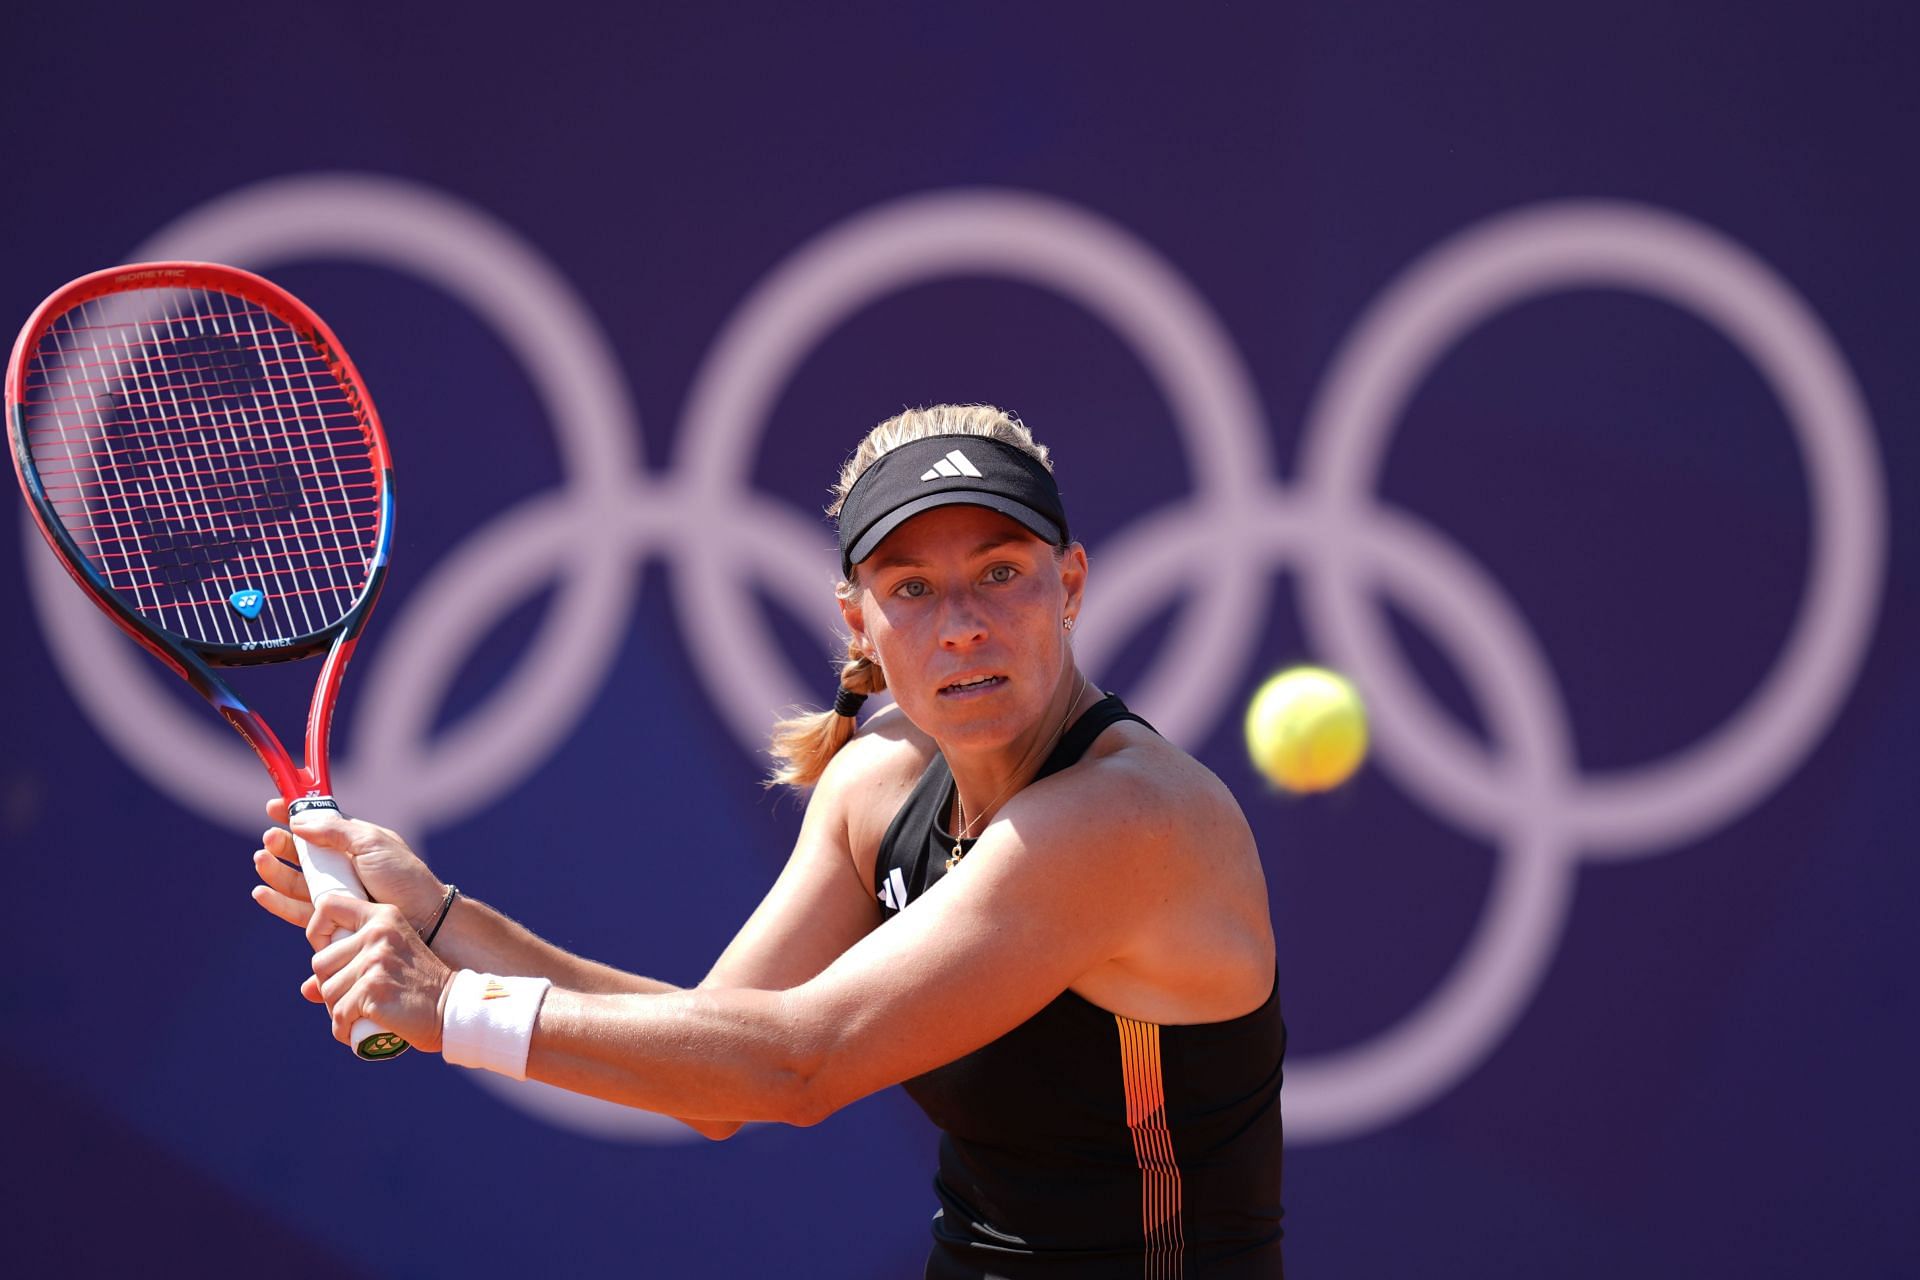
(1553, 373)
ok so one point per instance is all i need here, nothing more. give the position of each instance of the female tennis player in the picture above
(1008, 894)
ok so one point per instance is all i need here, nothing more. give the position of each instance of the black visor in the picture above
(942, 471)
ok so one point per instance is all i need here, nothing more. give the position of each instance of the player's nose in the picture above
(961, 622)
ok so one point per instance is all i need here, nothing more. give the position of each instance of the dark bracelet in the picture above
(446, 905)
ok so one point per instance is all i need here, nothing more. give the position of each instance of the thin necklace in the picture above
(953, 859)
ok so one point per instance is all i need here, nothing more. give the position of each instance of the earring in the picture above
(1067, 623)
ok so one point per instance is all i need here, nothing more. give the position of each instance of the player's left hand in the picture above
(390, 870)
(383, 971)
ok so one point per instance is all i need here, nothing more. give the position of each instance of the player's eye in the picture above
(912, 589)
(1002, 573)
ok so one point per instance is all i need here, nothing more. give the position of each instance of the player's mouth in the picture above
(972, 686)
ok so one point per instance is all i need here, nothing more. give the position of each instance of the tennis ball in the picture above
(1306, 729)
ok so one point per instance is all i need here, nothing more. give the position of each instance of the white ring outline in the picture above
(1532, 796)
(1340, 1093)
(430, 236)
(1655, 806)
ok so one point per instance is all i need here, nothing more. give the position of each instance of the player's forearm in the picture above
(729, 1055)
(475, 936)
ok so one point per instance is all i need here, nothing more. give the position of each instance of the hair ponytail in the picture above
(804, 743)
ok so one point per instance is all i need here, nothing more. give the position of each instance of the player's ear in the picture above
(1073, 577)
(851, 614)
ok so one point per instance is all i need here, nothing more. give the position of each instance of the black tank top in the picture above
(1086, 1144)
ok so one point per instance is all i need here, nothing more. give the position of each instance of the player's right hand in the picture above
(390, 870)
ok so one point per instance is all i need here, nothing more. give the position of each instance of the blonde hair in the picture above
(803, 743)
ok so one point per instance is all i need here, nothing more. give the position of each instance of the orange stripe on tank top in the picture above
(1153, 1148)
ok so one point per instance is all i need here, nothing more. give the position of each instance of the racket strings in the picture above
(160, 344)
(199, 450)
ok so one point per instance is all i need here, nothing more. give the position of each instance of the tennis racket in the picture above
(205, 460)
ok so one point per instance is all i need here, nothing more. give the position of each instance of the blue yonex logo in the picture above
(248, 603)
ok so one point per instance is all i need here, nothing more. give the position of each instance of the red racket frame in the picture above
(194, 660)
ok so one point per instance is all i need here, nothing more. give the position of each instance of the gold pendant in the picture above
(953, 859)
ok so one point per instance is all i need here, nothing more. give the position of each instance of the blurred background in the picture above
(1548, 370)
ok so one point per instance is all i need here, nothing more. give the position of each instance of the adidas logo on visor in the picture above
(954, 464)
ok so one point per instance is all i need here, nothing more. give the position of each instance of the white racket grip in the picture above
(330, 871)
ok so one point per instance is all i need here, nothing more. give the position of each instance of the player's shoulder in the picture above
(869, 778)
(1129, 753)
(888, 744)
(1133, 780)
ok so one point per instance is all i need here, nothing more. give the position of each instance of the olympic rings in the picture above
(1526, 795)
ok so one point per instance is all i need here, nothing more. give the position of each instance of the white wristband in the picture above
(489, 1021)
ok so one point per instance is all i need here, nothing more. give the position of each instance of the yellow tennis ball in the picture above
(1307, 729)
